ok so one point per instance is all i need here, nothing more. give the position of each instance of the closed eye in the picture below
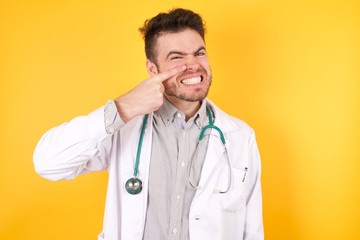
(175, 57)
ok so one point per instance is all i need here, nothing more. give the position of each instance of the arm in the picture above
(83, 144)
(73, 148)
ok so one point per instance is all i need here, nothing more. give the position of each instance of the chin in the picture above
(189, 98)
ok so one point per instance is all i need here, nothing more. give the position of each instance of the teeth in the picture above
(193, 80)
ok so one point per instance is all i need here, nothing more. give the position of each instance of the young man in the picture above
(179, 167)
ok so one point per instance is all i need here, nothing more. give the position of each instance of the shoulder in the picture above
(229, 123)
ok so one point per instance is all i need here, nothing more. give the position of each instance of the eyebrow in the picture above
(182, 53)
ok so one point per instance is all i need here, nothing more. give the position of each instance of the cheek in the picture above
(205, 65)
(166, 65)
(176, 63)
(170, 83)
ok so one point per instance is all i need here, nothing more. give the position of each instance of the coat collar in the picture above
(222, 120)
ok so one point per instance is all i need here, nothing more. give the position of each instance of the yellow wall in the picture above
(288, 68)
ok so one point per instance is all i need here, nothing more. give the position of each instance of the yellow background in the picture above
(288, 68)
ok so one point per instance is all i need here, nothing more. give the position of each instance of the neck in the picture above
(187, 107)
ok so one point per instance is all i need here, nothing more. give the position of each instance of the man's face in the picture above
(184, 48)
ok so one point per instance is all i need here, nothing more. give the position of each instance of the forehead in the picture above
(186, 41)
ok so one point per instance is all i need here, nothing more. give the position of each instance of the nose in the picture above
(192, 63)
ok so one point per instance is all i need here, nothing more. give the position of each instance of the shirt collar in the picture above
(168, 113)
(201, 118)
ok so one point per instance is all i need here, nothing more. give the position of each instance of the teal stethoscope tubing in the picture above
(138, 153)
(134, 185)
(211, 125)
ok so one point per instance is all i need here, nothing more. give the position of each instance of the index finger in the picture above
(161, 77)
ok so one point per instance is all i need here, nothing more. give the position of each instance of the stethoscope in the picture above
(134, 184)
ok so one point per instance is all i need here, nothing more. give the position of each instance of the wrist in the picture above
(124, 109)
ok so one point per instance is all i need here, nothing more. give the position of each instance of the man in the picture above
(165, 183)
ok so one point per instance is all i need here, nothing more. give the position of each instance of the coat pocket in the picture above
(234, 199)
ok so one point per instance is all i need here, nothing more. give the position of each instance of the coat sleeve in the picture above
(73, 148)
(254, 229)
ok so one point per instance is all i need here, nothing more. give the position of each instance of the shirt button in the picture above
(174, 231)
(111, 130)
(182, 163)
(108, 121)
(178, 197)
(179, 115)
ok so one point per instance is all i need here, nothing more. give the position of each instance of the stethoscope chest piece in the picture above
(133, 186)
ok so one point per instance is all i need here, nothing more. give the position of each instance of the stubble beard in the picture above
(199, 95)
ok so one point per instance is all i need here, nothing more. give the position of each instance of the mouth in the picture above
(192, 80)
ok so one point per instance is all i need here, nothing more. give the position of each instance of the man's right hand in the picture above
(146, 97)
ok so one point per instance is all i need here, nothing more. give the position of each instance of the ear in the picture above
(151, 67)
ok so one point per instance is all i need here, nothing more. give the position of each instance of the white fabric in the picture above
(82, 145)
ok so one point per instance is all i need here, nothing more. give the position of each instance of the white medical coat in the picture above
(82, 145)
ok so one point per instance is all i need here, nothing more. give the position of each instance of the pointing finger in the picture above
(170, 73)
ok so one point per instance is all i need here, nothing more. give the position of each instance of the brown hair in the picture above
(174, 21)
